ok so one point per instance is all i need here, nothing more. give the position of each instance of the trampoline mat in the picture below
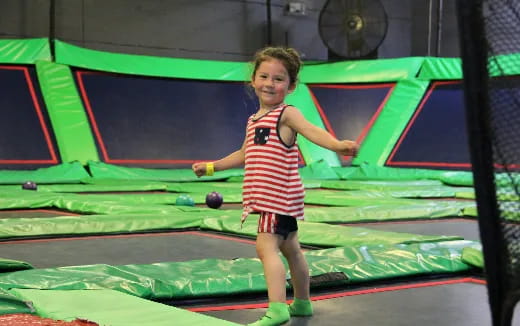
(127, 249)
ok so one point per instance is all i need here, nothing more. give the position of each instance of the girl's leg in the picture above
(299, 275)
(297, 265)
(267, 248)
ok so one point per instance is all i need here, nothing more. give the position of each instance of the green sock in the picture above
(301, 307)
(276, 314)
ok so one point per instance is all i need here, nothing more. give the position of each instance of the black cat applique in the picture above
(261, 135)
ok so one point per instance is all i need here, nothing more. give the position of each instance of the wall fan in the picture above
(353, 29)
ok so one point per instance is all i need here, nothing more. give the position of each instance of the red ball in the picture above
(214, 199)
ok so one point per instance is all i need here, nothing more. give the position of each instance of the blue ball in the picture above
(184, 200)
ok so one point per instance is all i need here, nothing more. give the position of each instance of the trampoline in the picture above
(102, 239)
(69, 259)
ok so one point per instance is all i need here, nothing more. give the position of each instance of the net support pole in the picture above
(474, 64)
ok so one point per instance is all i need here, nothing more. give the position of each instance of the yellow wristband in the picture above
(210, 169)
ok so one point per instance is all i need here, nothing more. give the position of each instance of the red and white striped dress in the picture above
(271, 181)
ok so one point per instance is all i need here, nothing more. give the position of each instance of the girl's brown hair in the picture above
(289, 57)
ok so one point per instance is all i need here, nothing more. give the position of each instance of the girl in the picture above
(272, 186)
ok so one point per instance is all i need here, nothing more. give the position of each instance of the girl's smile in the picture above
(271, 84)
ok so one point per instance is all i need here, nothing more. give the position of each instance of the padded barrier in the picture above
(215, 277)
(9, 265)
(64, 173)
(107, 171)
(108, 307)
(66, 113)
(24, 51)
(388, 212)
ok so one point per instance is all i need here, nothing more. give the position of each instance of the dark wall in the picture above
(220, 30)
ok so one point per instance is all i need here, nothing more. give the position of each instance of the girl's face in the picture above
(271, 83)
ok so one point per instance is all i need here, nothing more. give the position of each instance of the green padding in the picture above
(441, 68)
(64, 173)
(450, 68)
(387, 212)
(107, 171)
(24, 51)
(501, 65)
(95, 224)
(10, 304)
(457, 178)
(379, 185)
(108, 307)
(371, 71)
(66, 112)
(471, 211)
(323, 235)
(377, 262)
(116, 186)
(9, 265)
(234, 188)
(319, 169)
(351, 198)
(301, 98)
(373, 172)
(151, 66)
(342, 197)
(473, 257)
(387, 129)
(213, 277)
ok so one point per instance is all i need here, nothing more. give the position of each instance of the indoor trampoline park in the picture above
(104, 222)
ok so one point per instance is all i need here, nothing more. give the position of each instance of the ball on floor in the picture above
(214, 199)
(29, 185)
(184, 200)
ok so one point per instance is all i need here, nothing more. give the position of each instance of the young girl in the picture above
(272, 186)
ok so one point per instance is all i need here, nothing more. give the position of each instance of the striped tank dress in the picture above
(271, 180)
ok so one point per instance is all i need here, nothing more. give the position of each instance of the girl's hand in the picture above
(199, 169)
(348, 148)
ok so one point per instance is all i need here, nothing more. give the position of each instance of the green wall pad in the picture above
(215, 277)
(66, 112)
(107, 171)
(64, 173)
(24, 51)
(107, 307)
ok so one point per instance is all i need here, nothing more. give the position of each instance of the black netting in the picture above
(502, 33)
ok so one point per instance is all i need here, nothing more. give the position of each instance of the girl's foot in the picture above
(301, 308)
(276, 314)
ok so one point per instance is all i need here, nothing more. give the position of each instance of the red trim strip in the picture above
(135, 235)
(36, 104)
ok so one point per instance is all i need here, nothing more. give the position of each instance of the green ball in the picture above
(184, 200)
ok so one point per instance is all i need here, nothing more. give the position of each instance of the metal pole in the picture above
(52, 26)
(439, 27)
(269, 33)
(430, 10)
